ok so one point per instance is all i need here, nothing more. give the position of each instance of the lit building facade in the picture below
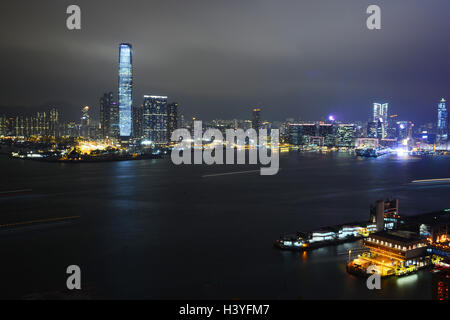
(404, 129)
(392, 253)
(380, 116)
(125, 90)
(106, 106)
(172, 119)
(54, 123)
(85, 122)
(3, 131)
(442, 123)
(372, 129)
(256, 119)
(345, 136)
(327, 132)
(154, 119)
(299, 134)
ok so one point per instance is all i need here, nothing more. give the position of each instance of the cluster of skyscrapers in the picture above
(154, 120)
(43, 123)
(382, 127)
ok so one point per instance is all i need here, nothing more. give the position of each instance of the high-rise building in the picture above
(345, 135)
(372, 129)
(404, 129)
(299, 134)
(54, 122)
(105, 114)
(42, 124)
(154, 120)
(380, 111)
(172, 119)
(181, 123)
(109, 117)
(380, 116)
(85, 122)
(381, 129)
(125, 90)
(327, 132)
(138, 118)
(114, 127)
(442, 123)
(256, 120)
(3, 131)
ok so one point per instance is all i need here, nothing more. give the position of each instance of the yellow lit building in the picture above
(392, 253)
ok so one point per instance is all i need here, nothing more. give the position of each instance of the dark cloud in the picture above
(218, 58)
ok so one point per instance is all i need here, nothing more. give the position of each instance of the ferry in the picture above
(329, 236)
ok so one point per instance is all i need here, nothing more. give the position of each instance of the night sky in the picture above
(294, 58)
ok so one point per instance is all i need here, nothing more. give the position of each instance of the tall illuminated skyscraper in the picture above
(125, 90)
(380, 111)
(380, 116)
(442, 123)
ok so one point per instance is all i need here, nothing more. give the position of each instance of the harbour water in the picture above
(152, 230)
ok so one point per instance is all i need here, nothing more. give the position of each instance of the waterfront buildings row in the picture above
(43, 123)
(155, 119)
(322, 134)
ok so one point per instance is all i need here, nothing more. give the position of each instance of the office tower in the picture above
(345, 135)
(380, 111)
(105, 114)
(125, 90)
(172, 119)
(372, 129)
(3, 131)
(380, 116)
(256, 120)
(114, 129)
(404, 130)
(42, 124)
(381, 129)
(327, 132)
(138, 114)
(109, 117)
(85, 122)
(154, 120)
(54, 122)
(181, 123)
(299, 134)
(19, 127)
(442, 123)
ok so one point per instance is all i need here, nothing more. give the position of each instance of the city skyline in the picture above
(283, 73)
(225, 157)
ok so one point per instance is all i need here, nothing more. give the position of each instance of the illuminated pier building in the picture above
(393, 253)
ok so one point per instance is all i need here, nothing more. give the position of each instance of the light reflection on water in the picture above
(150, 229)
